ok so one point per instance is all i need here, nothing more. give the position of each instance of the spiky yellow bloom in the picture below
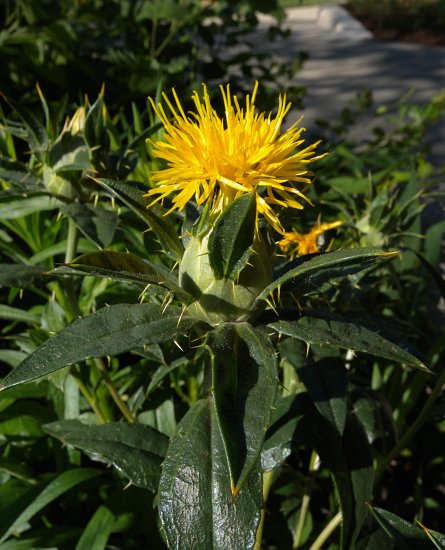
(218, 159)
(298, 244)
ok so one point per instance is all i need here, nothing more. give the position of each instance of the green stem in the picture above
(113, 391)
(68, 283)
(166, 41)
(71, 242)
(327, 532)
(267, 483)
(71, 410)
(91, 400)
(304, 504)
(413, 429)
(301, 520)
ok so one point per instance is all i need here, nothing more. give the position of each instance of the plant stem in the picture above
(91, 401)
(71, 389)
(72, 241)
(71, 410)
(327, 532)
(267, 483)
(313, 466)
(70, 254)
(413, 429)
(113, 391)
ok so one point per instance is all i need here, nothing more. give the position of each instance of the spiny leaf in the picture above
(22, 276)
(244, 383)
(405, 534)
(111, 330)
(312, 273)
(196, 505)
(124, 266)
(335, 331)
(134, 449)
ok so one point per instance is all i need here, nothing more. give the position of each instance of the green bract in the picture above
(227, 298)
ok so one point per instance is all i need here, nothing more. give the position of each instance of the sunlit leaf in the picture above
(196, 504)
(111, 330)
(313, 272)
(244, 383)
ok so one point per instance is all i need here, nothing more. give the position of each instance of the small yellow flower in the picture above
(298, 244)
(218, 159)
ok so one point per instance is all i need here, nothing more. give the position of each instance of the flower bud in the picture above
(224, 299)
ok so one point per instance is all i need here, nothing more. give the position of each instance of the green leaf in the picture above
(37, 136)
(23, 419)
(143, 135)
(196, 505)
(244, 384)
(111, 330)
(19, 175)
(160, 9)
(97, 224)
(45, 539)
(69, 153)
(349, 459)
(15, 469)
(326, 383)
(12, 208)
(97, 531)
(435, 273)
(377, 540)
(165, 231)
(163, 371)
(375, 415)
(349, 184)
(18, 315)
(134, 449)
(232, 237)
(290, 427)
(312, 273)
(22, 276)
(162, 418)
(333, 331)
(35, 499)
(405, 534)
(94, 130)
(124, 266)
(12, 357)
(438, 539)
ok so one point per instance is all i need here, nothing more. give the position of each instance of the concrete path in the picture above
(344, 59)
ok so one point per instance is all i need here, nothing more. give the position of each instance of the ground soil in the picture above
(402, 27)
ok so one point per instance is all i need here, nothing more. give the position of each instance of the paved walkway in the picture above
(344, 59)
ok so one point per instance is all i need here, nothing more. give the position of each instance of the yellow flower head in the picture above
(218, 159)
(298, 244)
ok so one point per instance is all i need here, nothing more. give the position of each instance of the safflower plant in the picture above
(232, 290)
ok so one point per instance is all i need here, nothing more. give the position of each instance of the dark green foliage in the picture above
(73, 48)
